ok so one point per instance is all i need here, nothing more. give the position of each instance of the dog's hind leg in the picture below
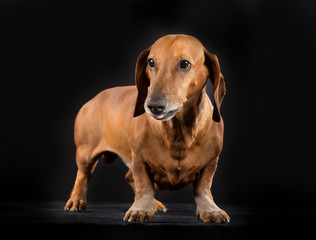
(158, 206)
(86, 163)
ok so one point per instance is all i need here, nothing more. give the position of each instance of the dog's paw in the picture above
(216, 216)
(75, 205)
(159, 206)
(138, 216)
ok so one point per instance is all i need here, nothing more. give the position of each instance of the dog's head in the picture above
(173, 71)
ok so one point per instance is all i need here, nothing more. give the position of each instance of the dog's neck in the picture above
(191, 111)
(182, 130)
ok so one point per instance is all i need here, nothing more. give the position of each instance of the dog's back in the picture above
(112, 107)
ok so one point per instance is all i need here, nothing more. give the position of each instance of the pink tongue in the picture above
(160, 116)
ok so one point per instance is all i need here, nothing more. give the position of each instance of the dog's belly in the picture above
(172, 181)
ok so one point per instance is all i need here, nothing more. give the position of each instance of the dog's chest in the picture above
(169, 173)
(179, 158)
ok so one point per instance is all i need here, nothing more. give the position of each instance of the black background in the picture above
(59, 54)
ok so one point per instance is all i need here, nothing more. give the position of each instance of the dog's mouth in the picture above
(165, 116)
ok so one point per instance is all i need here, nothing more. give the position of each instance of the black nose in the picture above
(157, 105)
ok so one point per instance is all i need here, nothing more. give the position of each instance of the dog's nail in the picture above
(223, 220)
(133, 218)
(137, 219)
(67, 209)
(212, 220)
(146, 219)
(76, 209)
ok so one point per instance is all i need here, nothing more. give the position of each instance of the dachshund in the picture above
(165, 129)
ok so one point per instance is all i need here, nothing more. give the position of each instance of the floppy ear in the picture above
(142, 82)
(218, 82)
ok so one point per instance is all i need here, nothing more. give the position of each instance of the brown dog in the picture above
(176, 142)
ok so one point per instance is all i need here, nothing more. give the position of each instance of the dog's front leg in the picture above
(206, 209)
(142, 208)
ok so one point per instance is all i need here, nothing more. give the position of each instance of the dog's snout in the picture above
(157, 105)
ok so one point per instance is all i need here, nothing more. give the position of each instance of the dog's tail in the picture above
(108, 157)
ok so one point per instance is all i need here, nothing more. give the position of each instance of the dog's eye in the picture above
(151, 63)
(184, 65)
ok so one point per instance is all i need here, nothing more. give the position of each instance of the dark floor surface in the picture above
(104, 221)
